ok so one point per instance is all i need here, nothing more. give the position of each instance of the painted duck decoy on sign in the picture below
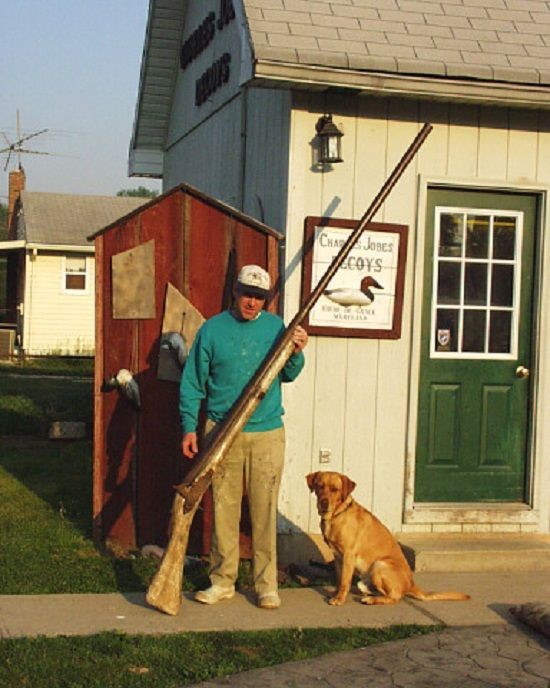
(354, 297)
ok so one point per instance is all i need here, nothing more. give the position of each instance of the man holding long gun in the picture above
(226, 353)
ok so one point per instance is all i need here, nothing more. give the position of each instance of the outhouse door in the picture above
(474, 400)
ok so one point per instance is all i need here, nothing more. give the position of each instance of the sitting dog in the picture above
(360, 542)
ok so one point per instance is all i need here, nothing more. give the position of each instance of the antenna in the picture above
(16, 147)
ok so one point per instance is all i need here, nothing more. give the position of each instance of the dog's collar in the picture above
(340, 510)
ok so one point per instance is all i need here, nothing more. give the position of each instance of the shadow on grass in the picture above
(59, 472)
(50, 538)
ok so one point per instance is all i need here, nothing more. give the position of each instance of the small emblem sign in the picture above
(443, 339)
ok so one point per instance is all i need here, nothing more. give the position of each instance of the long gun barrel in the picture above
(165, 589)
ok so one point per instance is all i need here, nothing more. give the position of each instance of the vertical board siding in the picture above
(493, 143)
(523, 145)
(266, 154)
(210, 156)
(353, 394)
(542, 374)
(434, 153)
(159, 435)
(392, 399)
(304, 193)
(114, 460)
(98, 465)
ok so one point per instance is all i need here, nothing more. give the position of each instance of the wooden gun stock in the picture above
(164, 592)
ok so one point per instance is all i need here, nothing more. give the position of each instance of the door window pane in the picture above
(451, 234)
(473, 335)
(475, 284)
(500, 332)
(502, 287)
(504, 238)
(477, 236)
(448, 284)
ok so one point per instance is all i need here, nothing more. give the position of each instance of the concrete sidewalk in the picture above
(492, 596)
(482, 646)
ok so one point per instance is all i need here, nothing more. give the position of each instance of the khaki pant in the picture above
(259, 457)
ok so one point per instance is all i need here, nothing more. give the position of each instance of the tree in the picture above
(141, 191)
(3, 221)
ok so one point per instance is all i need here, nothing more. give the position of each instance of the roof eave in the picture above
(66, 248)
(22, 244)
(145, 163)
(175, 10)
(289, 75)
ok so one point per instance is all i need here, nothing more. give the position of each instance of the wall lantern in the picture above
(330, 140)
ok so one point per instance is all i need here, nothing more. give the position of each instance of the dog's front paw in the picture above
(336, 601)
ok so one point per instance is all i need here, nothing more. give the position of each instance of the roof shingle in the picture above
(67, 219)
(436, 37)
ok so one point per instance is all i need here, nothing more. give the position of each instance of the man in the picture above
(227, 351)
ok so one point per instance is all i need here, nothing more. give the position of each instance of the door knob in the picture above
(522, 371)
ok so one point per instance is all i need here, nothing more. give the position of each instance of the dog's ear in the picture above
(310, 479)
(347, 486)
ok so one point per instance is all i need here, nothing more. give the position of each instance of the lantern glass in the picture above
(333, 148)
(330, 140)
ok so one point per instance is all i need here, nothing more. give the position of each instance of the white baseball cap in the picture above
(255, 279)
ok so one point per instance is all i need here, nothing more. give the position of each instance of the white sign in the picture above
(362, 293)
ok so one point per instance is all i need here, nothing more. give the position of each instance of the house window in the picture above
(76, 277)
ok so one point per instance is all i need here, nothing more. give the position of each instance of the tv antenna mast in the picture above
(16, 147)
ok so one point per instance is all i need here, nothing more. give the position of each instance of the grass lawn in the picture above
(113, 660)
(50, 365)
(45, 511)
(29, 403)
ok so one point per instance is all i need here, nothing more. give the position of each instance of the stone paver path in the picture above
(474, 657)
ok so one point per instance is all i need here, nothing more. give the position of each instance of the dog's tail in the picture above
(450, 595)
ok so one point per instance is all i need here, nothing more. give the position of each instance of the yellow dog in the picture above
(360, 542)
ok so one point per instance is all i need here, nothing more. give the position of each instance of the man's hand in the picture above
(299, 337)
(189, 445)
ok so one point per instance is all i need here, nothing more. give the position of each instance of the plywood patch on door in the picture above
(181, 317)
(133, 277)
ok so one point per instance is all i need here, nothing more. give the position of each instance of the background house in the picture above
(443, 426)
(51, 275)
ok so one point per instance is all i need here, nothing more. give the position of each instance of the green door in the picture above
(474, 391)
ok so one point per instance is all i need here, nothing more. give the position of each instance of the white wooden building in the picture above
(51, 269)
(442, 427)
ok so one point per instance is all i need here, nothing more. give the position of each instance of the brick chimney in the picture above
(16, 185)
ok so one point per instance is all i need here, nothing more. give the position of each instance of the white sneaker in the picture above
(269, 600)
(214, 594)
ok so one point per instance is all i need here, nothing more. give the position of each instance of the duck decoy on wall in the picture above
(124, 381)
(348, 297)
(175, 344)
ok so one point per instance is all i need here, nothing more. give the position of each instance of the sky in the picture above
(71, 67)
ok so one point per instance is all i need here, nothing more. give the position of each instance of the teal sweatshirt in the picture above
(225, 355)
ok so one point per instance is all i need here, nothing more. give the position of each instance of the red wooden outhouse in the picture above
(183, 241)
